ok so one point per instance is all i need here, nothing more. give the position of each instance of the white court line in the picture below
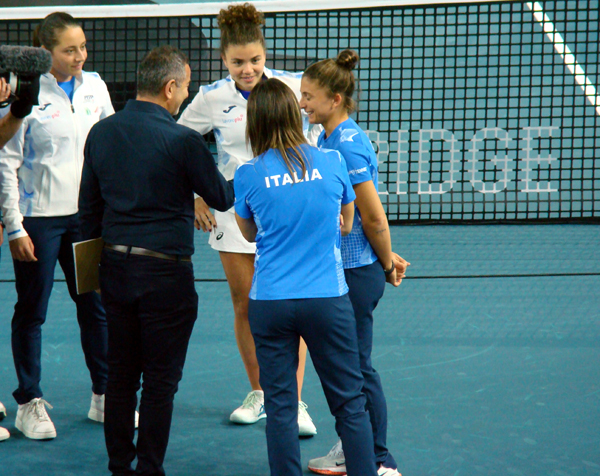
(565, 52)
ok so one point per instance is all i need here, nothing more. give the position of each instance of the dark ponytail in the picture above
(336, 76)
(46, 33)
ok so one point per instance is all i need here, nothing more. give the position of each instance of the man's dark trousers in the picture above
(151, 306)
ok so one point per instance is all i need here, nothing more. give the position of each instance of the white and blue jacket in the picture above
(40, 167)
(221, 108)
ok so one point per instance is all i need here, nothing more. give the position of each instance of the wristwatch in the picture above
(389, 271)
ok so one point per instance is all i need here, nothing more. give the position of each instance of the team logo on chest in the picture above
(240, 118)
(347, 135)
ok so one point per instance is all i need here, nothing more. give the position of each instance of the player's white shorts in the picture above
(227, 235)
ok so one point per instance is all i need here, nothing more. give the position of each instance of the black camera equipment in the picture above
(21, 67)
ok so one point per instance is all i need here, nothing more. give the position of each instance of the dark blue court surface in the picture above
(493, 375)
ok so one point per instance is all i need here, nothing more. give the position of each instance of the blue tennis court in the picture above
(479, 111)
(489, 356)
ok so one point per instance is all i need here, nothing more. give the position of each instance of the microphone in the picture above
(24, 60)
(22, 66)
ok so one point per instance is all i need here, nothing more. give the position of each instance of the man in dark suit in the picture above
(140, 173)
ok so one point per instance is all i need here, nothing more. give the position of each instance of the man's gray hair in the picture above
(159, 66)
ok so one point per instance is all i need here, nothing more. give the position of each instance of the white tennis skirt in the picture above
(226, 236)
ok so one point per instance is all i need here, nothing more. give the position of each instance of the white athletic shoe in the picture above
(306, 427)
(4, 434)
(252, 409)
(334, 463)
(383, 471)
(96, 412)
(33, 420)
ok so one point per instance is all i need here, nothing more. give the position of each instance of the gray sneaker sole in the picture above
(239, 421)
(46, 435)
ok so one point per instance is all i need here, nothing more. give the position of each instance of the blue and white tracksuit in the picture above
(220, 107)
(364, 275)
(299, 290)
(40, 174)
(40, 168)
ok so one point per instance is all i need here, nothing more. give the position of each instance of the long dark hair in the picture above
(274, 122)
(46, 33)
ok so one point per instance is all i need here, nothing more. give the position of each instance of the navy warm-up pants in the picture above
(52, 238)
(329, 330)
(151, 306)
(367, 285)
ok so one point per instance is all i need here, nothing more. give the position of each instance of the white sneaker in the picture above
(334, 463)
(252, 409)
(383, 471)
(306, 427)
(4, 434)
(33, 420)
(96, 412)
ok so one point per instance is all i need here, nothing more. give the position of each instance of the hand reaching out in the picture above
(204, 217)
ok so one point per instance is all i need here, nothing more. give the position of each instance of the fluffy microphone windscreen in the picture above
(24, 60)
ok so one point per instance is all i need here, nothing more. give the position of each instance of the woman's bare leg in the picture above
(239, 269)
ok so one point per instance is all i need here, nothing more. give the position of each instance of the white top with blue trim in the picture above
(40, 167)
(298, 241)
(220, 107)
(350, 140)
